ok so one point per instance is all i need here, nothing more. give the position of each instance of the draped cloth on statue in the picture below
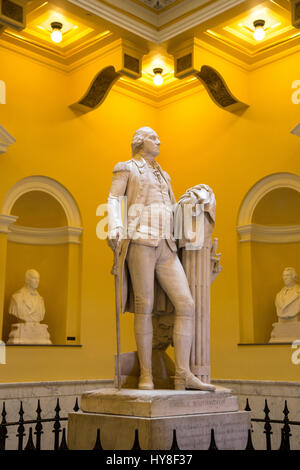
(201, 265)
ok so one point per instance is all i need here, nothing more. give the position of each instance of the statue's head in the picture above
(290, 277)
(32, 279)
(145, 140)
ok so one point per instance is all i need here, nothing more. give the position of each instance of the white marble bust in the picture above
(287, 303)
(28, 306)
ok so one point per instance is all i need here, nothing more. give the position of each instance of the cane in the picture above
(117, 299)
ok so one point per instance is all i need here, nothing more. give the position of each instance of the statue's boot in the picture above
(182, 338)
(143, 330)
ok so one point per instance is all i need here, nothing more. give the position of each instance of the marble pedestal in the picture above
(156, 413)
(29, 333)
(285, 332)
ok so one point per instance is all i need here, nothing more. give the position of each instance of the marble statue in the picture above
(152, 277)
(287, 303)
(28, 306)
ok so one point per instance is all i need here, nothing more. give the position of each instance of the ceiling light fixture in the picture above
(56, 34)
(158, 79)
(259, 30)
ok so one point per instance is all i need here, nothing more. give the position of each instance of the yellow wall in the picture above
(79, 152)
(200, 143)
(203, 144)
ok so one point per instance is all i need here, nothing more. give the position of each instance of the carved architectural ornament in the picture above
(12, 14)
(188, 60)
(97, 90)
(218, 90)
(296, 130)
(127, 61)
(295, 8)
(5, 140)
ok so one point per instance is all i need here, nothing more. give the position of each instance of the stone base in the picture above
(29, 333)
(157, 403)
(156, 413)
(193, 431)
(285, 332)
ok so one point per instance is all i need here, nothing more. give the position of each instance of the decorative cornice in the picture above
(196, 18)
(6, 221)
(44, 236)
(6, 139)
(269, 233)
(116, 17)
(159, 97)
(155, 27)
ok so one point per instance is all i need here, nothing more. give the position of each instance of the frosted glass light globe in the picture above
(158, 80)
(259, 33)
(259, 29)
(56, 36)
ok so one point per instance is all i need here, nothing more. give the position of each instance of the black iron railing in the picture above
(61, 443)
(38, 429)
(285, 443)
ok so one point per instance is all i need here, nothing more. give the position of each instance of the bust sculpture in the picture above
(147, 260)
(287, 304)
(28, 306)
(288, 299)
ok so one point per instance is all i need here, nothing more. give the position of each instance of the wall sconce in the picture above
(158, 79)
(56, 34)
(259, 31)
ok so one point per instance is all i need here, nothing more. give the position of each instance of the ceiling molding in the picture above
(136, 9)
(157, 5)
(158, 98)
(269, 233)
(120, 19)
(196, 18)
(58, 60)
(154, 28)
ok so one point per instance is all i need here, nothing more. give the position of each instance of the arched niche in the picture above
(40, 228)
(269, 240)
